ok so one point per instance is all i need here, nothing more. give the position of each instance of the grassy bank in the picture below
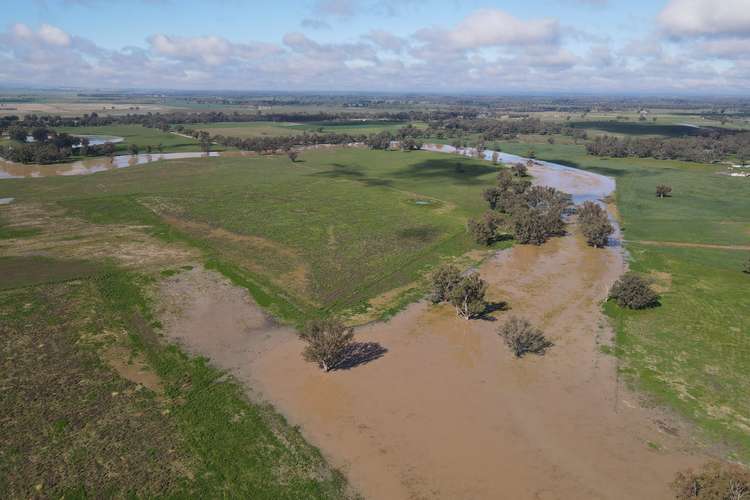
(139, 135)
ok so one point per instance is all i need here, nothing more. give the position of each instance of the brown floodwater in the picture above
(11, 170)
(448, 411)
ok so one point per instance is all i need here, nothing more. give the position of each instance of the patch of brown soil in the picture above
(64, 236)
(662, 281)
(681, 244)
(133, 367)
(448, 412)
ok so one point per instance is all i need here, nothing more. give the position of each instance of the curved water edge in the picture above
(582, 185)
(10, 170)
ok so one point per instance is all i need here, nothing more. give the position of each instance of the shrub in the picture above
(443, 280)
(492, 196)
(747, 266)
(522, 338)
(467, 296)
(328, 342)
(713, 482)
(662, 191)
(634, 292)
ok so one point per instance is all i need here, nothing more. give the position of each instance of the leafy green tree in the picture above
(519, 169)
(328, 342)
(595, 224)
(18, 133)
(486, 229)
(133, 149)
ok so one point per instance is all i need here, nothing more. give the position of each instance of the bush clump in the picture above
(522, 338)
(747, 267)
(634, 292)
(328, 342)
(713, 482)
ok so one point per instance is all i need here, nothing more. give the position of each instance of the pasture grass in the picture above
(77, 429)
(319, 236)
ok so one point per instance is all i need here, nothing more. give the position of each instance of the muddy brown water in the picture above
(11, 170)
(447, 411)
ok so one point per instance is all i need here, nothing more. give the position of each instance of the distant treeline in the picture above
(48, 146)
(164, 120)
(713, 146)
(405, 137)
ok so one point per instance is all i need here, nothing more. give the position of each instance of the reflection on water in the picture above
(6, 201)
(9, 170)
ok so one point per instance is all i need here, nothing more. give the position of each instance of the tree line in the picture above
(711, 147)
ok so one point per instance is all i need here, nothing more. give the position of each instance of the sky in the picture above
(667, 47)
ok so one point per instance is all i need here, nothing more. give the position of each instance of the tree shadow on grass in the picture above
(361, 353)
(457, 170)
(351, 173)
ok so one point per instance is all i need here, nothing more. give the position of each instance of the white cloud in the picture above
(494, 27)
(685, 18)
(211, 50)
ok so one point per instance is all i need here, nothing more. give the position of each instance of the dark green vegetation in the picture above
(633, 292)
(321, 235)
(692, 352)
(72, 427)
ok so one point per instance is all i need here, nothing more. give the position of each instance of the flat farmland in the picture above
(324, 234)
(278, 129)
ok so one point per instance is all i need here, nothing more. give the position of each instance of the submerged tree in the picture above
(467, 296)
(595, 224)
(328, 342)
(443, 280)
(486, 229)
(522, 338)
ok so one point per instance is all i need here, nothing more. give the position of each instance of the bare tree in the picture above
(522, 338)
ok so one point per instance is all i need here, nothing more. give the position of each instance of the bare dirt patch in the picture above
(63, 236)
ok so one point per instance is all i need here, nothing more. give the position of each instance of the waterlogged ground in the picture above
(446, 411)
(10, 170)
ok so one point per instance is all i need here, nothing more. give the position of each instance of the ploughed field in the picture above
(323, 234)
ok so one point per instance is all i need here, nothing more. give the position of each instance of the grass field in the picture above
(276, 129)
(114, 413)
(693, 352)
(136, 134)
(325, 234)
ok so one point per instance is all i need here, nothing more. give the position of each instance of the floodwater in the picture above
(447, 411)
(98, 140)
(10, 170)
(6, 201)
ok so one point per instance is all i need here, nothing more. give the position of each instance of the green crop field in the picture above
(324, 234)
(137, 134)
(276, 129)
(693, 352)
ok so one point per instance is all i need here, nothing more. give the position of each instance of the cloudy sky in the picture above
(568, 46)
